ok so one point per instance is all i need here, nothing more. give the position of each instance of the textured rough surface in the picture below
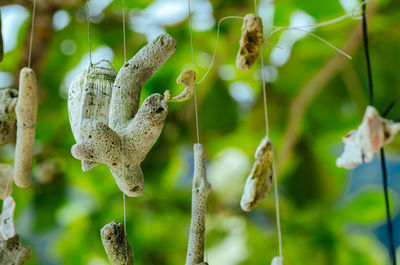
(186, 78)
(7, 227)
(360, 145)
(26, 111)
(8, 101)
(12, 252)
(200, 190)
(124, 143)
(250, 41)
(277, 261)
(259, 182)
(114, 243)
(89, 99)
(6, 180)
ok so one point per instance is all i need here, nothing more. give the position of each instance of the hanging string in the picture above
(193, 68)
(89, 36)
(216, 45)
(255, 7)
(278, 218)
(264, 90)
(392, 252)
(124, 28)
(32, 27)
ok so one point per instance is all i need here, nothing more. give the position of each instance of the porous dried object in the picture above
(250, 42)
(360, 145)
(12, 252)
(114, 242)
(7, 227)
(8, 101)
(259, 182)
(130, 134)
(200, 190)
(186, 78)
(6, 180)
(26, 111)
(277, 261)
(89, 99)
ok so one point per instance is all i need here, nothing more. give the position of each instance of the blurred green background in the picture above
(315, 96)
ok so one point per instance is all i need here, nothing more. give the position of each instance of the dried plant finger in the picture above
(26, 111)
(114, 242)
(8, 101)
(12, 252)
(7, 227)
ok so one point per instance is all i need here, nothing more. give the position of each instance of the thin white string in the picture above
(216, 45)
(194, 69)
(278, 219)
(255, 7)
(125, 233)
(31, 40)
(89, 37)
(264, 90)
(124, 28)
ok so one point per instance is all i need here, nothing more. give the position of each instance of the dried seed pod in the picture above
(6, 180)
(361, 144)
(89, 99)
(8, 101)
(250, 42)
(200, 190)
(26, 111)
(131, 133)
(119, 252)
(277, 261)
(7, 227)
(259, 182)
(186, 78)
(12, 252)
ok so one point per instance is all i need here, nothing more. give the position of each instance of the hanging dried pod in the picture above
(360, 145)
(277, 261)
(250, 42)
(200, 190)
(186, 78)
(12, 252)
(6, 180)
(26, 111)
(119, 252)
(259, 182)
(131, 132)
(8, 101)
(89, 99)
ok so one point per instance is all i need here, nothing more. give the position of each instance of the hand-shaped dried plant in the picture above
(114, 242)
(259, 182)
(200, 190)
(361, 144)
(124, 142)
(26, 111)
(250, 42)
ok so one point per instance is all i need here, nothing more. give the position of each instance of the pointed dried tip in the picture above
(88, 165)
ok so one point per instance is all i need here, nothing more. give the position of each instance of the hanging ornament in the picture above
(360, 145)
(114, 242)
(259, 182)
(6, 180)
(186, 78)
(26, 111)
(124, 142)
(8, 101)
(12, 252)
(200, 190)
(89, 99)
(250, 42)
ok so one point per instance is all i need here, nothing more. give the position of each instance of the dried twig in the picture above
(115, 245)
